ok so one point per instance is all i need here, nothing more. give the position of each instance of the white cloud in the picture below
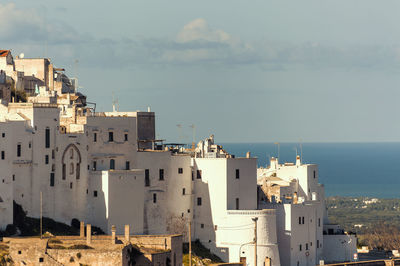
(197, 43)
(198, 30)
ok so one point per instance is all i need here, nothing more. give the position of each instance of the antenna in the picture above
(194, 132)
(194, 135)
(301, 151)
(279, 149)
(179, 126)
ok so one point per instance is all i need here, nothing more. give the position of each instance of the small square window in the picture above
(41, 259)
(95, 193)
(202, 225)
(180, 170)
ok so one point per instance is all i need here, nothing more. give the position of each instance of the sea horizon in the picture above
(353, 169)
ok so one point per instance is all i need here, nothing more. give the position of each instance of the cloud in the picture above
(198, 30)
(26, 25)
(195, 44)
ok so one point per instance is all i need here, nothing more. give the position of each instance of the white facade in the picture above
(302, 219)
(108, 169)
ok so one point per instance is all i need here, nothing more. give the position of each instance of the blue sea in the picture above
(346, 169)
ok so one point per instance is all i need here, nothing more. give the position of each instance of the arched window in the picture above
(71, 169)
(112, 164)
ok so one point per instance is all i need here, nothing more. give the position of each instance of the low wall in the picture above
(369, 263)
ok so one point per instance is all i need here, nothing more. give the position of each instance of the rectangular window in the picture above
(299, 220)
(94, 165)
(19, 150)
(161, 174)
(3, 135)
(317, 243)
(237, 174)
(300, 247)
(302, 220)
(94, 137)
(154, 198)
(46, 159)
(126, 137)
(53, 154)
(192, 175)
(180, 170)
(237, 203)
(306, 246)
(314, 174)
(198, 174)
(198, 201)
(64, 171)
(202, 225)
(47, 138)
(110, 136)
(147, 178)
(319, 222)
(95, 193)
(70, 185)
(127, 165)
(52, 179)
(3, 156)
(183, 191)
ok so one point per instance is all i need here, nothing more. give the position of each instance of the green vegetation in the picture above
(376, 221)
(200, 254)
(27, 226)
(4, 255)
(363, 214)
(21, 96)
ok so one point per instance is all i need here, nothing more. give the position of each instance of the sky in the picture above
(245, 71)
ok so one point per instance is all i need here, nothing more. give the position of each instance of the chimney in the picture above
(82, 231)
(248, 154)
(298, 161)
(113, 237)
(127, 233)
(88, 234)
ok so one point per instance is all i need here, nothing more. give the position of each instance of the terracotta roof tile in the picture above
(4, 53)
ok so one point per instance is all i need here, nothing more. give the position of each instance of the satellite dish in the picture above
(21, 55)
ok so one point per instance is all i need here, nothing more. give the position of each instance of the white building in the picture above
(108, 169)
(303, 226)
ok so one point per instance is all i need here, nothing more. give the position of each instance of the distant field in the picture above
(361, 214)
